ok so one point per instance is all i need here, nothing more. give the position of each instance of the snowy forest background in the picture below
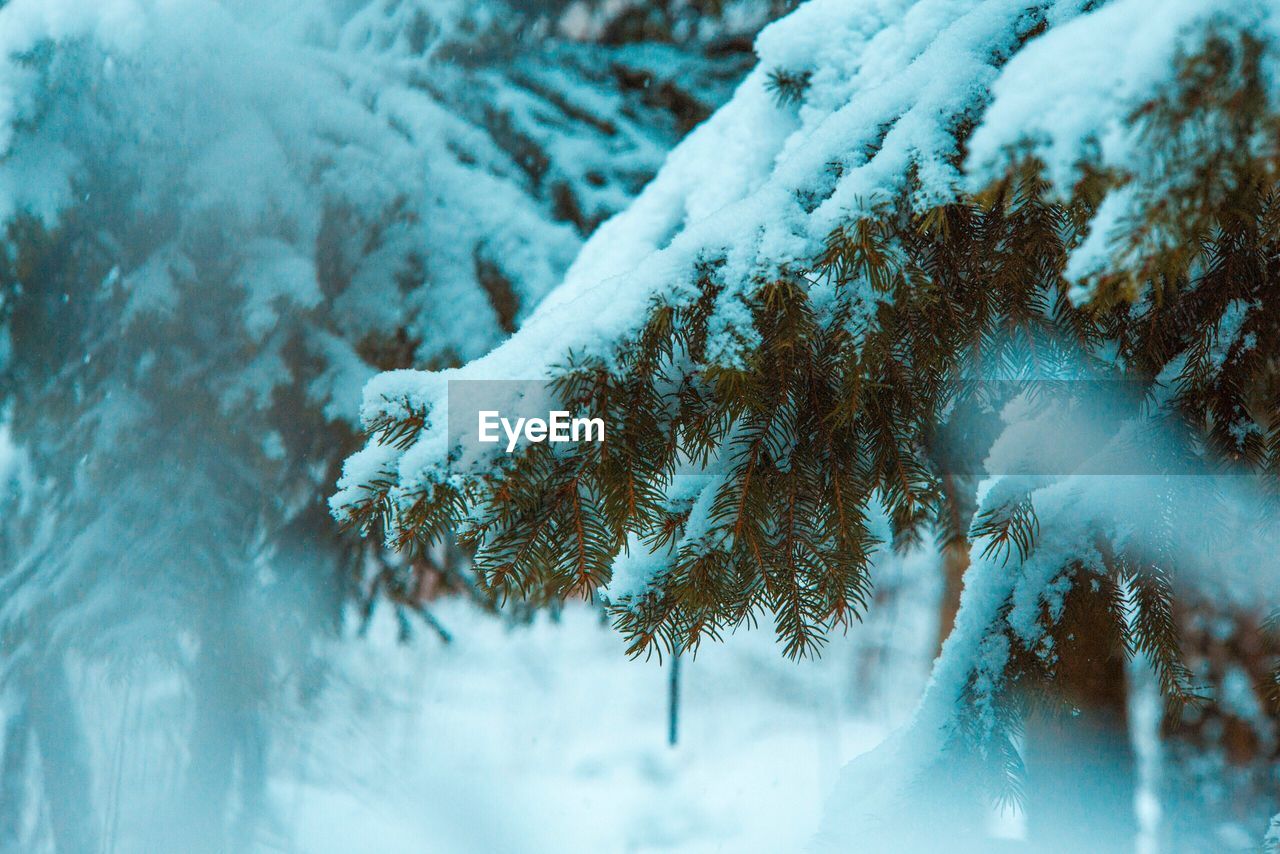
(225, 218)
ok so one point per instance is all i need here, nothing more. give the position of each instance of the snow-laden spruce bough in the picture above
(901, 197)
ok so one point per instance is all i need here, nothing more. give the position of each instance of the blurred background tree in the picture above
(221, 218)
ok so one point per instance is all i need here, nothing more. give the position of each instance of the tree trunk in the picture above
(15, 779)
(226, 773)
(955, 561)
(1081, 771)
(64, 756)
(1220, 779)
(961, 507)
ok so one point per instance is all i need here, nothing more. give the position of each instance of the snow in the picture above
(1237, 564)
(731, 190)
(252, 119)
(891, 81)
(758, 187)
(255, 205)
(634, 570)
(1068, 99)
(542, 737)
(1094, 255)
(247, 125)
(1069, 94)
(562, 742)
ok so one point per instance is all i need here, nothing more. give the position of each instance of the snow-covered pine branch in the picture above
(901, 199)
(926, 103)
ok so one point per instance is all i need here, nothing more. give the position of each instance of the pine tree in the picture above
(220, 220)
(928, 209)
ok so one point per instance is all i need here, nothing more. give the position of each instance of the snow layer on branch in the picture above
(759, 186)
(1218, 531)
(1069, 99)
(879, 795)
(1068, 96)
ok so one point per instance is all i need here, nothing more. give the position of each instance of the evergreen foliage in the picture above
(807, 397)
(219, 219)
